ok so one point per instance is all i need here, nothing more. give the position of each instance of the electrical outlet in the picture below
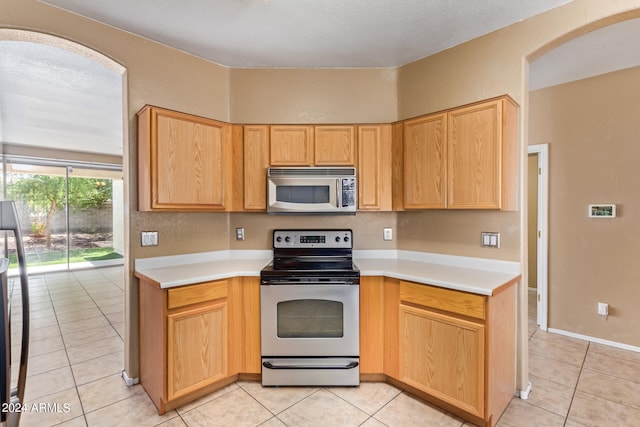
(603, 309)
(240, 233)
(490, 240)
(387, 234)
(149, 238)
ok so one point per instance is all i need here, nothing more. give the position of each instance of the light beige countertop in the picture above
(476, 275)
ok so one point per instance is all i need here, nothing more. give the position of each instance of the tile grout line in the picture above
(566, 419)
(75, 383)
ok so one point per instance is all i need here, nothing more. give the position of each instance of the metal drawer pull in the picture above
(270, 365)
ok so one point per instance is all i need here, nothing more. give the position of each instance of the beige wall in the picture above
(367, 228)
(314, 95)
(592, 128)
(458, 232)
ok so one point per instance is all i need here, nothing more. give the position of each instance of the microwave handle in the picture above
(338, 192)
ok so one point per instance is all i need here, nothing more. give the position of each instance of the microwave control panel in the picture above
(348, 192)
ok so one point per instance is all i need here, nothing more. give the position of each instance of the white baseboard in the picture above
(128, 380)
(596, 340)
(524, 394)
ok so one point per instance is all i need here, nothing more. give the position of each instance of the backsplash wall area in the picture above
(367, 228)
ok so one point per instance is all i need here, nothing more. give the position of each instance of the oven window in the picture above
(310, 318)
(302, 193)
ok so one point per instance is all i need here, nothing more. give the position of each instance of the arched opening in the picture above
(546, 106)
(62, 134)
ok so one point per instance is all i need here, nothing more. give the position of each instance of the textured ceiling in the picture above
(309, 33)
(50, 97)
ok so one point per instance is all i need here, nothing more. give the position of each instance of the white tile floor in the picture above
(76, 359)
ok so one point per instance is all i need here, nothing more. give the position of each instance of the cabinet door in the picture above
(244, 326)
(291, 145)
(475, 155)
(374, 167)
(443, 356)
(371, 324)
(196, 348)
(425, 154)
(335, 146)
(256, 162)
(183, 161)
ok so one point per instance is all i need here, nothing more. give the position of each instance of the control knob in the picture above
(287, 239)
(278, 239)
(337, 238)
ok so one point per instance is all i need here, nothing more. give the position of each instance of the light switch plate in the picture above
(149, 238)
(240, 233)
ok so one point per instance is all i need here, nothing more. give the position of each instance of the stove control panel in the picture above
(313, 239)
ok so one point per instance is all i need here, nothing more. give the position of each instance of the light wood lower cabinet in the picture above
(197, 338)
(452, 348)
(444, 356)
(196, 348)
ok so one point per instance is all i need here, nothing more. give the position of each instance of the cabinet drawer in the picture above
(192, 294)
(443, 299)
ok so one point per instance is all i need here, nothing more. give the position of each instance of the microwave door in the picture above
(304, 195)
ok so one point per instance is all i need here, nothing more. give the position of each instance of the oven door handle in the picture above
(270, 365)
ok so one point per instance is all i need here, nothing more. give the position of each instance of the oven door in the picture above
(310, 320)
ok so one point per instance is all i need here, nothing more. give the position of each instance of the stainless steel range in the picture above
(310, 310)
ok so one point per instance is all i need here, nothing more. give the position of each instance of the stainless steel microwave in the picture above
(311, 190)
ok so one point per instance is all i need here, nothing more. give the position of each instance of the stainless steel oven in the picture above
(310, 310)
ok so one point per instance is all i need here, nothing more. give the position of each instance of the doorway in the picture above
(538, 231)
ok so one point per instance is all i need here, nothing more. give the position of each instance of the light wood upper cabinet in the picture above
(184, 162)
(256, 162)
(291, 145)
(482, 156)
(464, 158)
(425, 153)
(374, 168)
(335, 145)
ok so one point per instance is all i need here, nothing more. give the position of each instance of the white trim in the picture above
(596, 340)
(543, 226)
(128, 380)
(524, 394)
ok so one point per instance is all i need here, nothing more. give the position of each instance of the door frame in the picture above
(542, 150)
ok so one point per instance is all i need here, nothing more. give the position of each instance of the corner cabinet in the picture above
(197, 338)
(184, 162)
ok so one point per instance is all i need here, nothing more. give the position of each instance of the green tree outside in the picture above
(47, 194)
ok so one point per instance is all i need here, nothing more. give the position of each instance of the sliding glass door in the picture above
(71, 215)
